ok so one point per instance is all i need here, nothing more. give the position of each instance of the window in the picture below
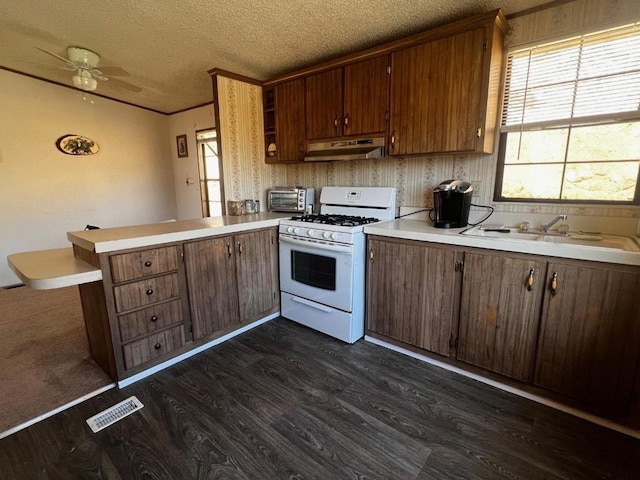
(570, 129)
(211, 188)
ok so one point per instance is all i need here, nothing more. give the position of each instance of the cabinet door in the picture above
(324, 104)
(290, 118)
(405, 300)
(436, 95)
(257, 272)
(499, 314)
(590, 334)
(366, 97)
(213, 290)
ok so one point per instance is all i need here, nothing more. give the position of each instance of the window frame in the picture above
(502, 139)
(204, 191)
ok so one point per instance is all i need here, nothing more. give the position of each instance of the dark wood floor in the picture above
(282, 401)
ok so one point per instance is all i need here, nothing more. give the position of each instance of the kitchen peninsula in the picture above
(155, 294)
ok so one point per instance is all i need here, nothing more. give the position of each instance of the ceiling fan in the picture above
(84, 63)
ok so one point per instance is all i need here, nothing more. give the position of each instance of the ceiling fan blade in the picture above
(95, 73)
(114, 72)
(65, 60)
(125, 85)
(48, 65)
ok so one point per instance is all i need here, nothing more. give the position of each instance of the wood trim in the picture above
(96, 321)
(78, 90)
(539, 8)
(462, 25)
(234, 76)
(88, 256)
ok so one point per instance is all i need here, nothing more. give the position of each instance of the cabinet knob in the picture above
(336, 121)
(346, 121)
(554, 283)
(154, 318)
(394, 137)
(149, 291)
(147, 263)
(157, 346)
(530, 279)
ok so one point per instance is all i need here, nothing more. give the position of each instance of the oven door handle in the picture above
(311, 304)
(324, 246)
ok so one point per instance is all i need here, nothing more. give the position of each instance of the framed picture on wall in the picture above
(181, 141)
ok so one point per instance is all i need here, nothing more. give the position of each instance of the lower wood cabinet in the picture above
(213, 290)
(231, 280)
(570, 327)
(589, 345)
(156, 303)
(405, 301)
(500, 312)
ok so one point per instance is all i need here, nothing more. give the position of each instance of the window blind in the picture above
(589, 79)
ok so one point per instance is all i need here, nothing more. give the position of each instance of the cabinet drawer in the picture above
(153, 346)
(149, 320)
(129, 266)
(145, 292)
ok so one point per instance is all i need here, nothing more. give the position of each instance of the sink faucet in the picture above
(545, 228)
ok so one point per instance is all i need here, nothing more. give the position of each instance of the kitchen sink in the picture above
(571, 239)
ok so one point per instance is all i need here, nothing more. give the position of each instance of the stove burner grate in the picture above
(334, 219)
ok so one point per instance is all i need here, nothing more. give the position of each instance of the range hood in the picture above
(351, 149)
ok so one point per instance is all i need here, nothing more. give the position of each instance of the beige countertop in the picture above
(121, 238)
(423, 231)
(46, 269)
(57, 268)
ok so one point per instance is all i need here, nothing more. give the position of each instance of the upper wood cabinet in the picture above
(285, 122)
(429, 93)
(444, 94)
(347, 101)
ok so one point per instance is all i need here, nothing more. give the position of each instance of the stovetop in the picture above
(335, 219)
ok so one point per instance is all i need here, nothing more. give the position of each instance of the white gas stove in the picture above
(322, 259)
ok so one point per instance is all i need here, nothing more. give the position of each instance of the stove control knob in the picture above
(334, 235)
(296, 231)
(311, 233)
(326, 235)
(289, 229)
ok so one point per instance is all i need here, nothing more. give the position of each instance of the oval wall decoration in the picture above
(71, 144)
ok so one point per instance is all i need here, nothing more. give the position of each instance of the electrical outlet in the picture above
(476, 187)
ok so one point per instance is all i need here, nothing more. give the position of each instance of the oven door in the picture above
(317, 270)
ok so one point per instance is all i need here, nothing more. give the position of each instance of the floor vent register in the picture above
(113, 414)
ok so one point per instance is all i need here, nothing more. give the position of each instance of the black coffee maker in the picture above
(451, 203)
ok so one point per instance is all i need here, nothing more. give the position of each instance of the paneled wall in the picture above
(241, 131)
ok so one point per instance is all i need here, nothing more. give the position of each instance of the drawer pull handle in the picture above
(150, 292)
(147, 263)
(154, 318)
(530, 279)
(157, 346)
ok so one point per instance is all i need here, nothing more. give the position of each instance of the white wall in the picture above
(44, 193)
(187, 123)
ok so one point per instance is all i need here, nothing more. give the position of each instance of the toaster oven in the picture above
(290, 199)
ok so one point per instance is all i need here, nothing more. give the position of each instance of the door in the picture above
(290, 118)
(405, 300)
(366, 97)
(317, 270)
(436, 95)
(324, 104)
(213, 290)
(257, 273)
(590, 334)
(500, 312)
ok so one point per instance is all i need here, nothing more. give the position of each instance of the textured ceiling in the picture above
(168, 46)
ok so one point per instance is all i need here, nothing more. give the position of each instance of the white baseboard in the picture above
(508, 388)
(139, 376)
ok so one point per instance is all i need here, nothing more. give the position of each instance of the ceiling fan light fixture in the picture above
(84, 81)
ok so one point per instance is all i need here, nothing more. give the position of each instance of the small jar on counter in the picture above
(249, 206)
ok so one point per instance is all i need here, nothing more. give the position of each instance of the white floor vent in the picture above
(113, 414)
